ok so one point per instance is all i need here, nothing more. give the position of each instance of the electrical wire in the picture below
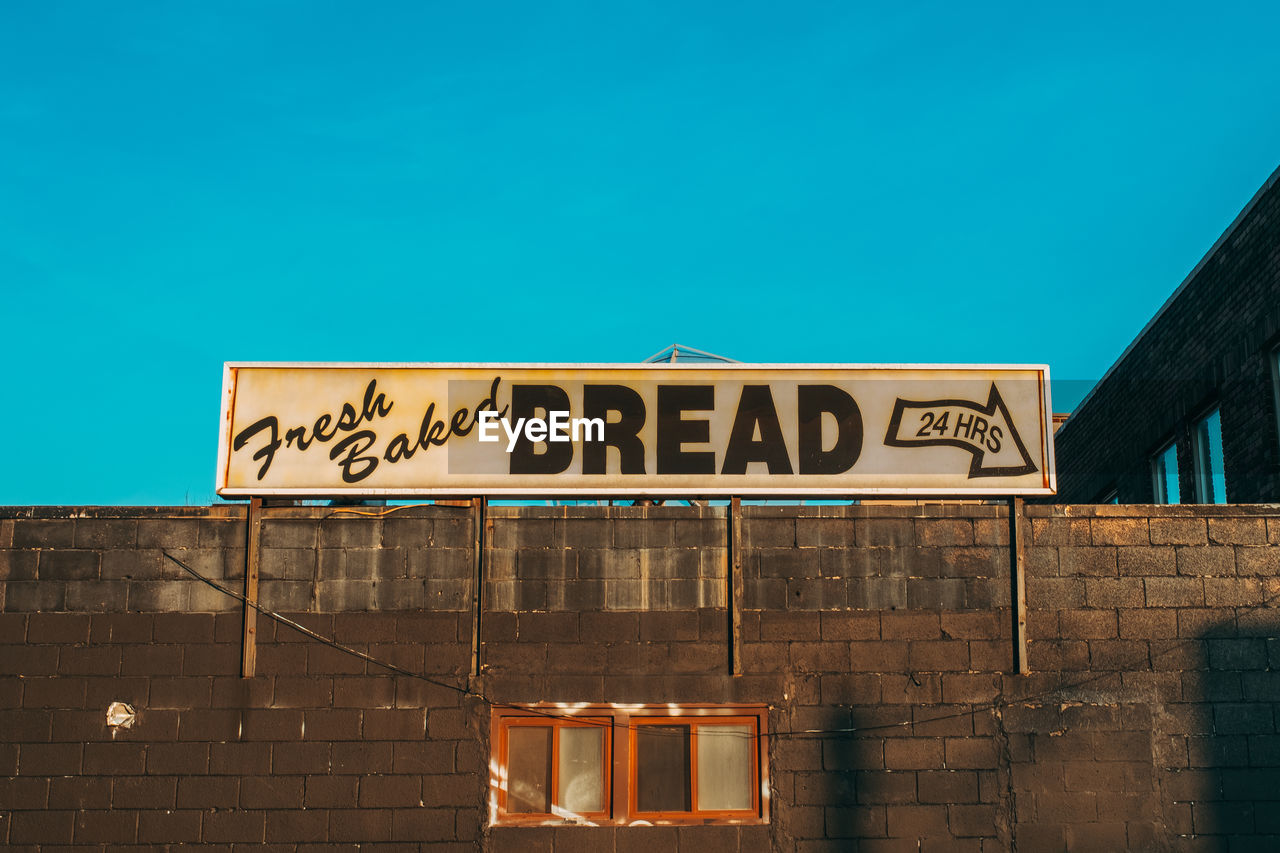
(380, 514)
(972, 709)
(334, 644)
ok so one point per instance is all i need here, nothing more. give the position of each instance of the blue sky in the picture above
(186, 184)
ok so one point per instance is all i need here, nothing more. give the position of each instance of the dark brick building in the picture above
(1148, 431)
(863, 653)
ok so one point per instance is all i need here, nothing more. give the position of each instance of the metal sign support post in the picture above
(479, 517)
(1018, 586)
(252, 555)
(734, 579)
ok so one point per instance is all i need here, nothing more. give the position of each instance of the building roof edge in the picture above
(1213, 250)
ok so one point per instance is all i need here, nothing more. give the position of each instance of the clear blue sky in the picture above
(185, 184)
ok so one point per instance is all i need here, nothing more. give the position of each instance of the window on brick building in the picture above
(1206, 444)
(554, 767)
(700, 767)
(1275, 387)
(1164, 475)
(614, 765)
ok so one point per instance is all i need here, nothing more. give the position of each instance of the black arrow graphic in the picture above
(981, 430)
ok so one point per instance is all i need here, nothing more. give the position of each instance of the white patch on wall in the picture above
(120, 716)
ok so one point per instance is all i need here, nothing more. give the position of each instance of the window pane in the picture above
(1165, 470)
(580, 787)
(724, 767)
(1275, 383)
(662, 769)
(529, 769)
(1211, 483)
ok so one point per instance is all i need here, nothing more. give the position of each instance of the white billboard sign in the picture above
(611, 430)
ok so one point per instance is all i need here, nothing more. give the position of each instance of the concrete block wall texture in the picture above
(1210, 346)
(879, 637)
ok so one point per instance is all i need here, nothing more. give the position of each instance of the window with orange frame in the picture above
(699, 767)
(554, 769)
(627, 764)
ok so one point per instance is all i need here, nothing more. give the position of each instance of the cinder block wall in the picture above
(879, 636)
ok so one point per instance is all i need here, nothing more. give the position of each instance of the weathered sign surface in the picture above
(600, 430)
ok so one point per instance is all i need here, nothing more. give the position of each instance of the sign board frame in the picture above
(1043, 452)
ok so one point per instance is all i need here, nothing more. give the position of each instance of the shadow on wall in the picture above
(824, 793)
(1222, 785)
(906, 775)
(842, 806)
(1194, 770)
